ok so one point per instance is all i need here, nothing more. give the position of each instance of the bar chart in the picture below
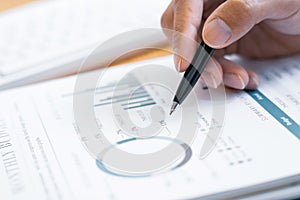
(130, 94)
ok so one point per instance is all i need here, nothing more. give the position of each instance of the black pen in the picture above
(192, 74)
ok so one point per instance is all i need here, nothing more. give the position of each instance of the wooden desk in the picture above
(8, 4)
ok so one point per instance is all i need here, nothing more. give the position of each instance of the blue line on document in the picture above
(276, 112)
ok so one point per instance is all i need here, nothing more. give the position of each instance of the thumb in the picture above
(232, 20)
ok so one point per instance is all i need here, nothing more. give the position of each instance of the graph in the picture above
(187, 154)
(131, 94)
(124, 122)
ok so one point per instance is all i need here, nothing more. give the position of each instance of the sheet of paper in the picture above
(43, 155)
(47, 35)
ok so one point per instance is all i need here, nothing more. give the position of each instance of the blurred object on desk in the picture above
(5, 5)
(48, 39)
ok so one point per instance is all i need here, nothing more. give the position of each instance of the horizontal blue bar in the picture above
(276, 112)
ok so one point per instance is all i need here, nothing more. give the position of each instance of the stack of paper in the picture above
(47, 39)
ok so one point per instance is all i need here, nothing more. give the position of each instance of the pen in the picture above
(192, 74)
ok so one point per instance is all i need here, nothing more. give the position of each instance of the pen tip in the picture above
(171, 111)
(173, 108)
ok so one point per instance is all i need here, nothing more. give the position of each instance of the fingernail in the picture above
(234, 80)
(217, 32)
(178, 62)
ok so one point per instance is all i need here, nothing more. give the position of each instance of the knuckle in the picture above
(166, 19)
(238, 13)
(163, 20)
(178, 26)
(245, 5)
(177, 2)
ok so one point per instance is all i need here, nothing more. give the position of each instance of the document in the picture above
(47, 154)
(49, 39)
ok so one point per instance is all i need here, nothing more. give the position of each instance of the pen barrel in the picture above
(193, 72)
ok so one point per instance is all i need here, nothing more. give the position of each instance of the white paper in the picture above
(42, 156)
(39, 39)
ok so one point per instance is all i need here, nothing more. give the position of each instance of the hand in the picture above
(252, 28)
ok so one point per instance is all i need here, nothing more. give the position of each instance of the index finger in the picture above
(187, 20)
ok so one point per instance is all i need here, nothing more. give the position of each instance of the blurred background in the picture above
(42, 40)
(5, 5)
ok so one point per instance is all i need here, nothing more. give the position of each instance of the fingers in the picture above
(253, 80)
(237, 77)
(232, 74)
(287, 19)
(228, 23)
(234, 18)
(167, 21)
(212, 75)
(184, 17)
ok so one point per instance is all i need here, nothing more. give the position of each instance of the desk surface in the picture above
(5, 5)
